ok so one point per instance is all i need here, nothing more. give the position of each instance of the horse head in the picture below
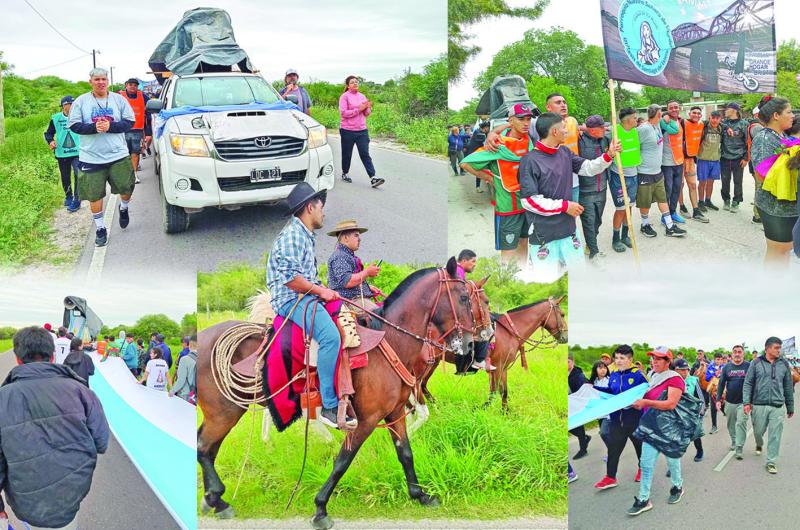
(556, 322)
(452, 312)
(481, 314)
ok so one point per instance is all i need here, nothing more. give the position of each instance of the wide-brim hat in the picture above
(346, 226)
(301, 194)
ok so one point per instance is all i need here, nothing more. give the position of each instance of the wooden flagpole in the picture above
(622, 176)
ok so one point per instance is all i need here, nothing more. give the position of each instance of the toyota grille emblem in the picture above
(263, 141)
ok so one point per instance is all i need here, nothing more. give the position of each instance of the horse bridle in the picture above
(509, 325)
(445, 281)
(483, 320)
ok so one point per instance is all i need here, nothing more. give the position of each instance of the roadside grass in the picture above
(208, 319)
(421, 134)
(30, 192)
(6, 345)
(480, 463)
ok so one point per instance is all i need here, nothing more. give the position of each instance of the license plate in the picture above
(265, 175)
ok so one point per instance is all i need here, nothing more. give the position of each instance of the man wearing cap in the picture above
(731, 379)
(545, 177)
(630, 157)
(672, 159)
(346, 272)
(609, 362)
(295, 288)
(291, 88)
(500, 168)
(66, 145)
(592, 144)
(733, 157)
(102, 118)
(135, 137)
(767, 388)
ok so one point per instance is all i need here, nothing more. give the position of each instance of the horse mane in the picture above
(398, 292)
(526, 306)
(260, 308)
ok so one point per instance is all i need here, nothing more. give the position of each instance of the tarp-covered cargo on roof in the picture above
(202, 41)
(80, 319)
(505, 92)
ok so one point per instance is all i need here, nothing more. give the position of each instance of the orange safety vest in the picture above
(509, 171)
(571, 140)
(138, 107)
(694, 133)
(676, 144)
(101, 348)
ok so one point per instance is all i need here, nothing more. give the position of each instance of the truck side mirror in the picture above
(154, 105)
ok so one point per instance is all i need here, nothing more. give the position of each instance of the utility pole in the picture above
(112, 75)
(94, 59)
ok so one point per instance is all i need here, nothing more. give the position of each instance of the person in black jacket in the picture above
(79, 362)
(476, 141)
(576, 381)
(51, 429)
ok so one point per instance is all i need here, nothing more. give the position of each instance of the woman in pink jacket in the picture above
(354, 107)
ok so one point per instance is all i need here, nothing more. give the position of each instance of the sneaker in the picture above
(648, 231)
(702, 207)
(346, 178)
(618, 246)
(699, 217)
(758, 449)
(675, 231)
(124, 217)
(639, 506)
(756, 220)
(711, 206)
(580, 454)
(479, 190)
(68, 200)
(375, 182)
(328, 417)
(772, 469)
(137, 180)
(571, 477)
(595, 255)
(675, 495)
(606, 483)
(734, 207)
(74, 205)
(479, 366)
(677, 218)
(638, 475)
(698, 457)
(738, 454)
(101, 237)
(713, 429)
(726, 206)
(683, 209)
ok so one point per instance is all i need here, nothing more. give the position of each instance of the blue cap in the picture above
(67, 99)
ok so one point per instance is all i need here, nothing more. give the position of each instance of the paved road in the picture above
(726, 237)
(740, 495)
(120, 499)
(422, 524)
(407, 218)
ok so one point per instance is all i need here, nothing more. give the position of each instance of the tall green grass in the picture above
(5, 345)
(480, 463)
(30, 191)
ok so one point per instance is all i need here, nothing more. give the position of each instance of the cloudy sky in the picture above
(498, 32)
(322, 40)
(707, 307)
(33, 300)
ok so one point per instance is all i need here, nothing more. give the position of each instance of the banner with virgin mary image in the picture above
(723, 46)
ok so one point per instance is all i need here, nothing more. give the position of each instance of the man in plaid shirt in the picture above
(292, 272)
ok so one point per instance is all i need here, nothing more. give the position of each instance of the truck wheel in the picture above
(176, 220)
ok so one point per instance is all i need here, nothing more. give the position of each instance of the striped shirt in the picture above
(292, 255)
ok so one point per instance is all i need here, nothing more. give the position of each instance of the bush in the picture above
(229, 287)
(7, 332)
(189, 324)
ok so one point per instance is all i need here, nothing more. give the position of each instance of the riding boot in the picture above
(462, 363)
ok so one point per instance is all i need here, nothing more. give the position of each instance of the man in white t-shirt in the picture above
(156, 373)
(61, 346)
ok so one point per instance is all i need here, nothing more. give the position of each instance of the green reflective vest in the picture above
(631, 154)
(67, 142)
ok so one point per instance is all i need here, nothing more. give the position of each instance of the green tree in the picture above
(788, 56)
(423, 94)
(562, 56)
(461, 13)
(158, 323)
(189, 324)
(654, 94)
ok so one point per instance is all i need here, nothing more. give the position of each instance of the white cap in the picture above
(755, 110)
(291, 71)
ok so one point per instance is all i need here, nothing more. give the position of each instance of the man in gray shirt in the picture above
(733, 157)
(651, 179)
(102, 118)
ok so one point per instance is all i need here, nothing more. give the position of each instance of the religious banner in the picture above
(723, 46)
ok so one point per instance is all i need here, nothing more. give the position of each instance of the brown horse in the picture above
(511, 334)
(428, 296)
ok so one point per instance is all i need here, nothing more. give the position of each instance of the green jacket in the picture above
(769, 383)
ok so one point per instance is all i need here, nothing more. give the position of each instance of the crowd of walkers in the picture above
(535, 165)
(758, 390)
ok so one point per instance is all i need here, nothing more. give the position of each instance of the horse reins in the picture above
(508, 324)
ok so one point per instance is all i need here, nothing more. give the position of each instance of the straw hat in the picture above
(346, 226)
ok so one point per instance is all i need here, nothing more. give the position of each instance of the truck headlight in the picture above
(317, 136)
(187, 145)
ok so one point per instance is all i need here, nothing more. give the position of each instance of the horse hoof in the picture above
(227, 513)
(204, 507)
(322, 523)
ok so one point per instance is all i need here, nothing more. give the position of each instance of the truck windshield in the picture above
(219, 90)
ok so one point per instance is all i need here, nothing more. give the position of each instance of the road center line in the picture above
(730, 454)
(99, 254)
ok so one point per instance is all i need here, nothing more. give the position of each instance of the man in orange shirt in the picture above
(136, 136)
(693, 132)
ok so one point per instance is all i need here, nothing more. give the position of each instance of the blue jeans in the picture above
(673, 183)
(648, 464)
(326, 334)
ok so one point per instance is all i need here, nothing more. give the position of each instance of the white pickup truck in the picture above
(231, 158)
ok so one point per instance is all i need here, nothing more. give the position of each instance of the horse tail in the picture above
(523, 361)
(260, 308)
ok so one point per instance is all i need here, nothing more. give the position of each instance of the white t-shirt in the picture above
(157, 371)
(61, 349)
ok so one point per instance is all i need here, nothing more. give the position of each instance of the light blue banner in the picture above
(164, 115)
(605, 404)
